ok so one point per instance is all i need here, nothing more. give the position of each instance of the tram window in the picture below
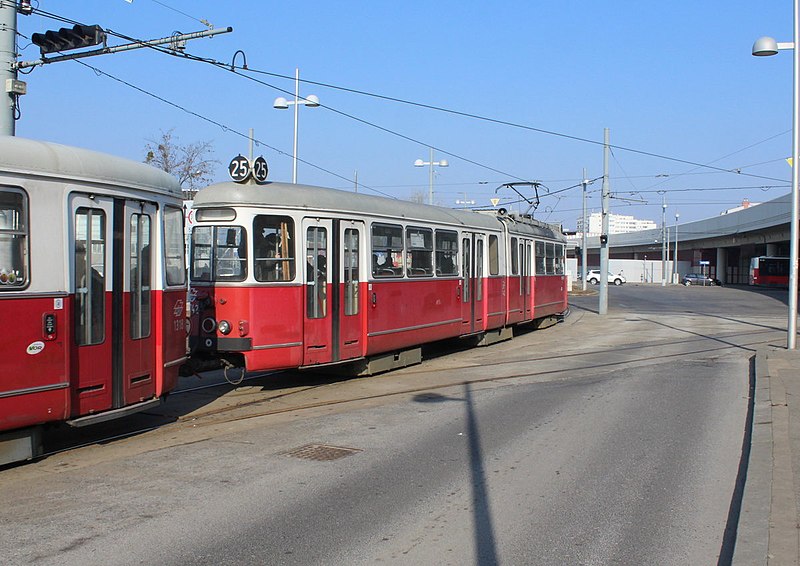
(514, 257)
(219, 253)
(316, 272)
(90, 262)
(494, 255)
(13, 239)
(559, 260)
(351, 245)
(420, 252)
(551, 256)
(174, 246)
(273, 248)
(540, 259)
(202, 237)
(140, 276)
(230, 253)
(387, 250)
(446, 252)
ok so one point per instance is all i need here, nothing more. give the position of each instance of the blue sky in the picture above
(674, 80)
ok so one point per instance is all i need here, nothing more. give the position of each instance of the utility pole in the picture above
(663, 240)
(584, 253)
(603, 307)
(8, 70)
(356, 174)
(675, 278)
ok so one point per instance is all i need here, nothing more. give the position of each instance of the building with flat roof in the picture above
(617, 224)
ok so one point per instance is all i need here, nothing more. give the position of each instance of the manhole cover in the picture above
(321, 452)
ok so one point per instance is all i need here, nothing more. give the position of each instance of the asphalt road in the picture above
(612, 440)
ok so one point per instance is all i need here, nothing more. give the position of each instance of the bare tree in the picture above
(192, 164)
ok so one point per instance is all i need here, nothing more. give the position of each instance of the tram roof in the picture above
(39, 158)
(320, 199)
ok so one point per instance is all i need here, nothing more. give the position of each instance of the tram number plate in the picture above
(239, 168)
(260, 169)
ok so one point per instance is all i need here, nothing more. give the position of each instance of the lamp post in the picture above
(312, 101)
(431, 163)
(676, 279)
(768, 46)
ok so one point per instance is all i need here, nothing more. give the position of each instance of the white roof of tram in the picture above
(27, 157)
(323, 200)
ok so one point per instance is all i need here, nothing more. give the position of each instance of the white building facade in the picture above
(617, 224)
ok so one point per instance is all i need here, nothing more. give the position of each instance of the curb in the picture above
(753, 531)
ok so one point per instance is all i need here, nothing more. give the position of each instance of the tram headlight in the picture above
(209, 325)
(224, 326)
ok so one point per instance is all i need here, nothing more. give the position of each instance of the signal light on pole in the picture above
(76, 37)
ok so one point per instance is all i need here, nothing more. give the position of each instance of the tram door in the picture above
(332, 325)
(137, 333)
(526, 255)
(113, 359)
(348, 321)
(472, 282)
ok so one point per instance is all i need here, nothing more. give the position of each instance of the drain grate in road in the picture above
(321, 452)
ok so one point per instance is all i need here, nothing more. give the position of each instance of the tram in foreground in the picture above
(768, 271)
(296, 276)
(92, 289)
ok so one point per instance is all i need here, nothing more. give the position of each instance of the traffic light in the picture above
(64, 39)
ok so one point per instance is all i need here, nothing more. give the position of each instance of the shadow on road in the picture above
(485, 545)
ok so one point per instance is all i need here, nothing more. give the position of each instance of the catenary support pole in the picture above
(603, 307)
(584, 253)
(8, 33)
(663, 240)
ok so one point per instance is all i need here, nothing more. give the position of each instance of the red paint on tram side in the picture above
(495, 302)
(91, 371)
(272, 317)
(409, 312)
(551, 295)
(31, 361)
(139, 370)
(170, 310)
(352, 328)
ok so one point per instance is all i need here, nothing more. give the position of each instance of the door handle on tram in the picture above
(374, 300)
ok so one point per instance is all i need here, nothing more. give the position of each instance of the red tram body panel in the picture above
(92, 274)
(286, 276)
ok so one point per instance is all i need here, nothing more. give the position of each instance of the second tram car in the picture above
(287, 276)
(92, 289)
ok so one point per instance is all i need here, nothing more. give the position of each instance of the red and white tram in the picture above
(92, 289)
(287, 276)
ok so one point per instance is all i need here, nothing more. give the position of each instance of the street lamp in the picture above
(676, 279)
(431, 163)
(768, 46)
(312, 101)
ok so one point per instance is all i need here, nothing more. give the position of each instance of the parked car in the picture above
(593, 277)
(699, 279)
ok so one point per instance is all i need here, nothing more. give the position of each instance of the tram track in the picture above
(416, 372)
(457, 383)
(234, 412)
